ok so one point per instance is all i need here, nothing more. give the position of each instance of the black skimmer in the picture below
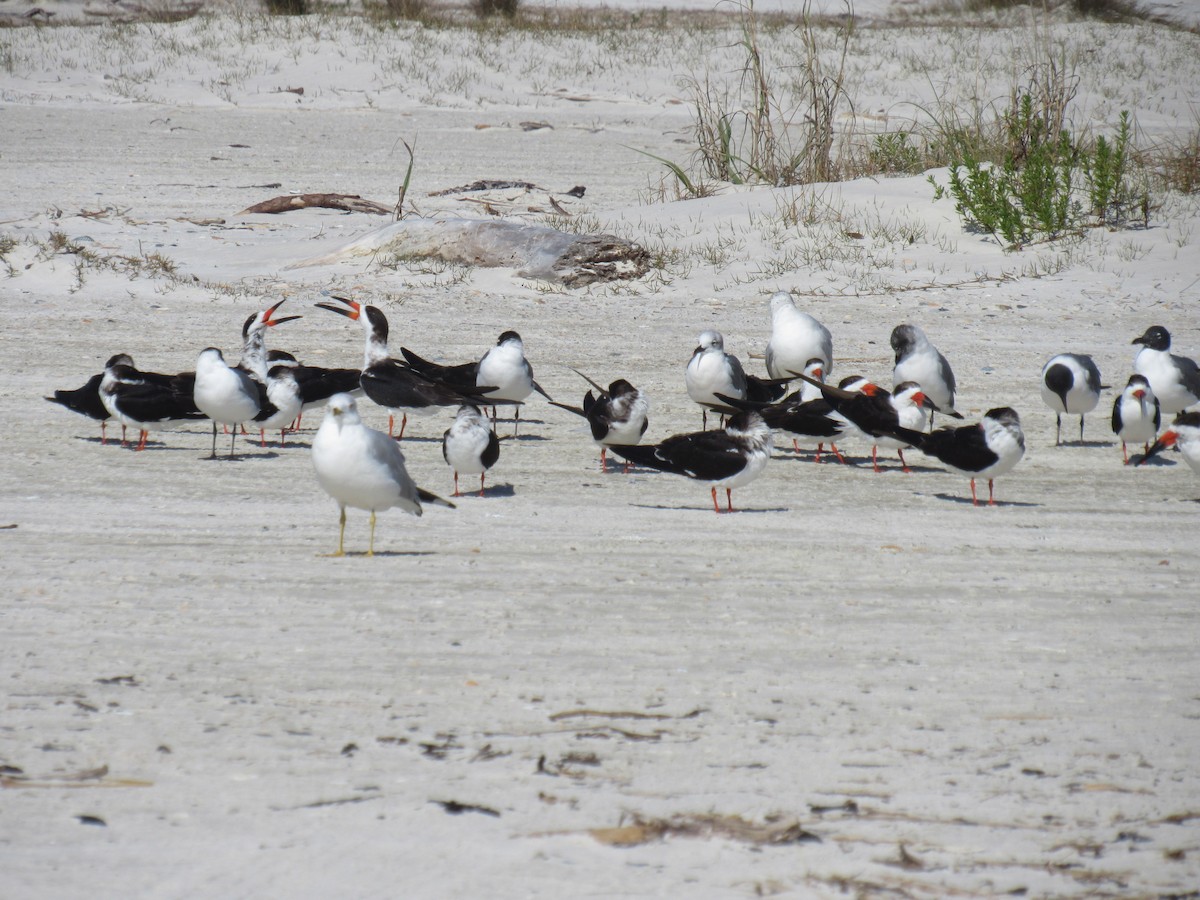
(225, 394)
(617, 416)
(729, 458)
(712, 371)
(1071, 385)
(283, 404)
(255, 359)
(1175, 379)
(918, 360)
(392, 384)
(360, 467)
(796, 339)
(503, 371)
(145, 401)
(1184, 433)
(1136, 415)
(86, 400)
(873, 411)
(317, 383)
(805, 414)
(910, 403)
(986, 450)
(470, 446)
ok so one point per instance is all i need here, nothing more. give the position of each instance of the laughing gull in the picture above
(225, 394)
(1175, 379)
(712, 371)
(796, 339)
(1071, 385)
(918, 360)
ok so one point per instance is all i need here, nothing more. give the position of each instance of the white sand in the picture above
(1008, 695)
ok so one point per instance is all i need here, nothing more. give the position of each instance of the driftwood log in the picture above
(535, 251)
(347, 202)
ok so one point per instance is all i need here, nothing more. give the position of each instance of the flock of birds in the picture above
(363, 468)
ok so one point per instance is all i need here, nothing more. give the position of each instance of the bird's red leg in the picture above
(875, 458)
(482, 475)
(124, 443)
(1125, 453)
(391, 424)
(282, 437)
(837, 453)
(103, 433)
(820, 449)
(903, 464)
(716, 507)
(403, 424)
(728, 500)
(456, 493)
(603, 460)
(142, 440)
(991, 496)
(974, 501)
(262, 437)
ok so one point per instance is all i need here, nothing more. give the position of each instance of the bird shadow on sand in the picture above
(362, 554)
(740, 510)
(1083, 445)
(1140, 459)
(242, 457)
(491, 492)
(966, 501)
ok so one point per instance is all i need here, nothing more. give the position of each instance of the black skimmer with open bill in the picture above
(1071, 385)
(224, 393)
(1175, 379)
(616, 415)
(1136, 415)
(360, 467)
(470, 446)
(730, 458)
(986, 450)
(393, 384)
(918, 360)
(796, 339)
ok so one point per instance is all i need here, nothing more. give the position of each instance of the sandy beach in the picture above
(583, 684)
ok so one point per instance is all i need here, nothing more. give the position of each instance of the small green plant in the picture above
(487, 8)
(287, 7)
(1037, 191)
(892, 153)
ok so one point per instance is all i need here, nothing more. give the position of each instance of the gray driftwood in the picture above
(535, 251)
